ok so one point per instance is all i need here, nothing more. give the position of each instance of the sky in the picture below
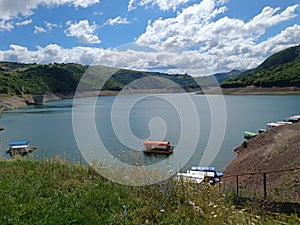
(197, 37)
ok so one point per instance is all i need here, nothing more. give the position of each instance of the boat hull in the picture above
(157, 151)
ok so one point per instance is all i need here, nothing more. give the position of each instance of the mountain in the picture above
(281, 69)
(19, 78)
(218, 78)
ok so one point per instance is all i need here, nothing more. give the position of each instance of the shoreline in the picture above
(252, 90)
(14, 102)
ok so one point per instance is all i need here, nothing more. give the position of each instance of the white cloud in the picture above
(4, 25)
(83, 31)
(162, 4)
(196, 41)
(268, 18)
(286, 38)
(196, 27)
(239, 56)
(117, 20)
(10, 9)
(131, 5)
(184, 30)
(50, 26)
(24, 23)
(38, 30)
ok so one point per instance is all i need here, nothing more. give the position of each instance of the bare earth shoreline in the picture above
(252, 90)
(14, 102)
(276, 149)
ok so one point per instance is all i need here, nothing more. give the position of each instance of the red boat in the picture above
(158, 147)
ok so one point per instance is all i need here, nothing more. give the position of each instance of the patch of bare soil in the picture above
(13, 102)
(274, 150)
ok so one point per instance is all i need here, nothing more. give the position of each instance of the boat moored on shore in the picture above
(20, 148)
(199, 174)
(248, 134)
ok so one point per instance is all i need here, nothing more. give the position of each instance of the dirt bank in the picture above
(14, 102)
(252, 90)
(273, 150)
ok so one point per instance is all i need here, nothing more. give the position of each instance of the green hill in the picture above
(19, 78)
(216, 79)
(279, 70)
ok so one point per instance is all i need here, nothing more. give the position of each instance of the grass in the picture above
(57, 192)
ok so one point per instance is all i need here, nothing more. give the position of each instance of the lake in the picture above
(198, 126)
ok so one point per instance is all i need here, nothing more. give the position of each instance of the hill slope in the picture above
(18, 79)
(216, 79)
(273, 150)
(279, 70)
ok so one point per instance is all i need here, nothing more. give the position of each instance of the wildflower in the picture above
(124, 210)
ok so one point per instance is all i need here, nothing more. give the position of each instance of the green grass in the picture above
(57, 192)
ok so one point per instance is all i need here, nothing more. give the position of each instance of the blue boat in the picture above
(20, 148)
(199, 174)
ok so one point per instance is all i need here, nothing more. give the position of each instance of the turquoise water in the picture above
(50, 126)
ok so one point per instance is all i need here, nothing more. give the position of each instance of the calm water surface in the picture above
(50, 126)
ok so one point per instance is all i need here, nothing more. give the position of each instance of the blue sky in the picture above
(198, 37)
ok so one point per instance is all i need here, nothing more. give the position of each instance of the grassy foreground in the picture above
(57, 192)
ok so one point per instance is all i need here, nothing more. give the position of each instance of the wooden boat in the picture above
(21, 148)
(248, 134)
(158, 147)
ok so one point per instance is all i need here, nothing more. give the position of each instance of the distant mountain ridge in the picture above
(218, 78)
(281, 69)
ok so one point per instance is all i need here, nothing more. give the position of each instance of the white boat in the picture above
(296, 117)
(273, 124)
(284, 122)
(198, 174)
(191, 176)
(21, 148)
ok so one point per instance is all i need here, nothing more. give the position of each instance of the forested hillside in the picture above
(19, 78)
(279, 70)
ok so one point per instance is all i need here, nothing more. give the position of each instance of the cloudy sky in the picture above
(198, 37)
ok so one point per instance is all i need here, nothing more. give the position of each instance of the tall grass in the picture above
(57, 192)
